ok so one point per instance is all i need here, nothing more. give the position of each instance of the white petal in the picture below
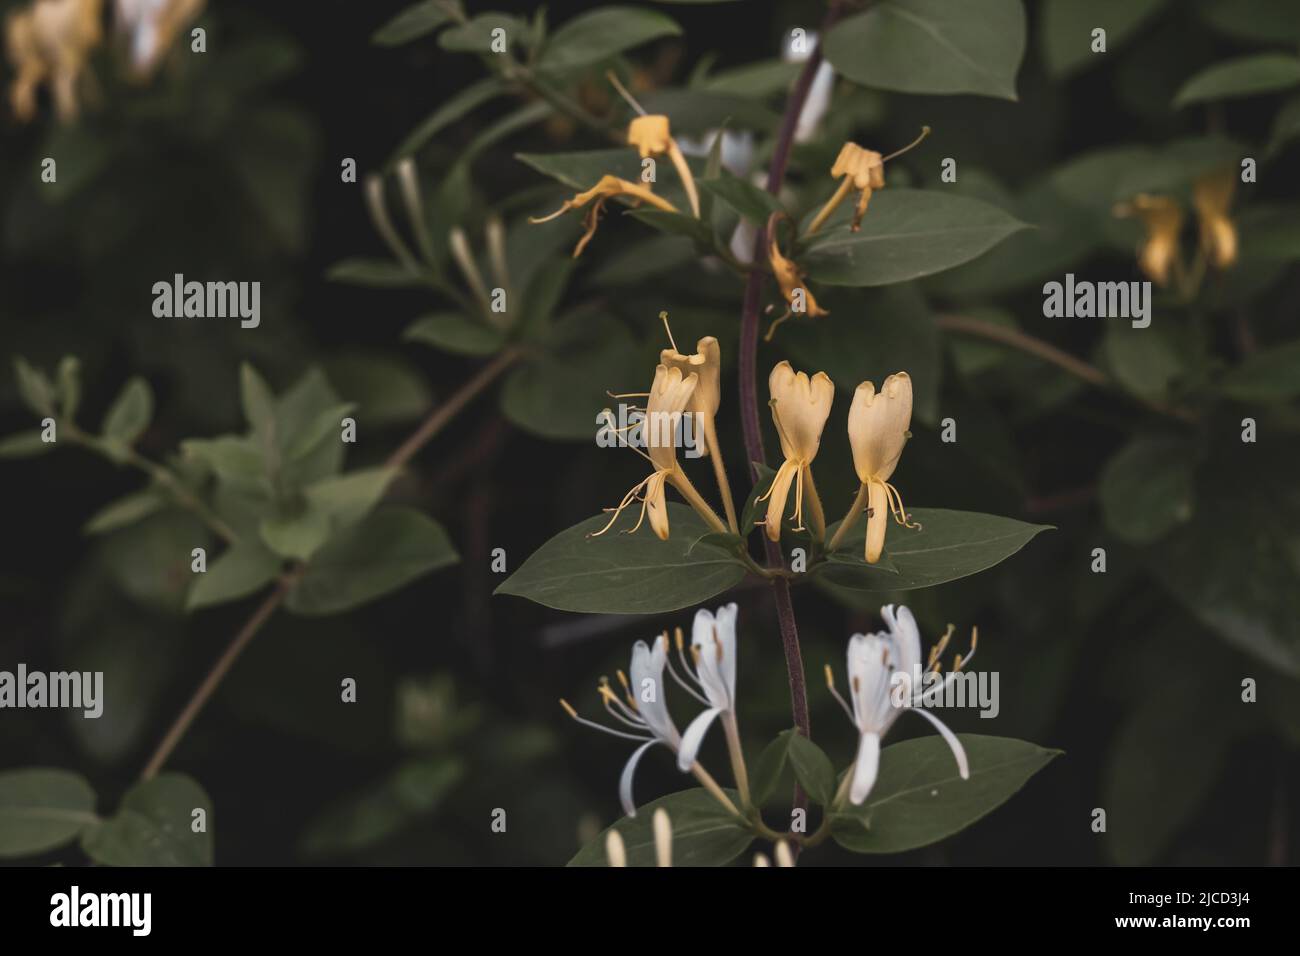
(625, 782)
(693, 737)
(864, 771)
(647, 672)
(950, 738)
(816, 105)
(725, 620)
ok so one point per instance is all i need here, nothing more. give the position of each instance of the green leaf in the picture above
(1286, 126)
(258, 404)
(347, 499)
(1267, 376)
(1065, 30)
(296, 536)
(1236, 564)
(36, 391)
(592, 37)
(906, 234)
(25, 445)
(1145, 361)
(1255, 21)
(704, 834)
(743, 196)
(932, 46)
(919, 798)
(456, 333)
(1243, 76)
(69, 382)
(130, 413)
(386, 551)
(242, 569)
(412, 23)
(625, 573)
(458, 106)
(765, 776)
(388, 389)
(378, 273)
(948, 545)
(41, 809)
(154, 826)
(231, 458)
(380, 811)
(676, 224)
(124, 511)
(476, 36)
(1177, 165)
(812, 768)
(1148, 489)
(696, 112)
(559, 394)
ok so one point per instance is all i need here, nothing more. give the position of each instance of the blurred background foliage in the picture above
(227, 165)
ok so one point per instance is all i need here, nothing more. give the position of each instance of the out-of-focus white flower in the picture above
(818, 102)
(151, 26)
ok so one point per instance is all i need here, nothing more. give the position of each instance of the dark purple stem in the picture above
(749, 389)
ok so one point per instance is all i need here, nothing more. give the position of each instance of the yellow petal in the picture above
(649, 134)
(878, 424)
(706, 363)
(877, 521)
(865, 167)
(800, 407)
(777, 496)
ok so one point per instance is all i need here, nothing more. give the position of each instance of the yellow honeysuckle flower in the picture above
(1212, 195)
(608, 188)
(49, 42)
(789, 277)
(862, 170)
(878, 430)
(800, 407)
(665, 403)
(651, 136)
(1163, 218)
(706, 364)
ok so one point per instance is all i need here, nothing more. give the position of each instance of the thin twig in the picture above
(436, 421)
(1050, 353)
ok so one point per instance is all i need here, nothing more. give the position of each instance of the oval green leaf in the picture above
(919, 798)
(620, 573)
(906, 234)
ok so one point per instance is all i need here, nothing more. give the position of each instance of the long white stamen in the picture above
(601, 727)
(830, 684)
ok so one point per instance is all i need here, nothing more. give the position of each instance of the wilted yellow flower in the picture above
(666, 401)
(1158, 253)
(706, 364)
(1212, 195)
(878, 430)
(861, 170)
(650, 135)
(49, 42)
(608, 188)
(789, 277)
(800, 407)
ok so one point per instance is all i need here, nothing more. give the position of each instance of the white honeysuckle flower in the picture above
(643, 709)
(818, 102)
(713, 649)
(646, 713)
(873, 660)
(736, 153)
(152, 26)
